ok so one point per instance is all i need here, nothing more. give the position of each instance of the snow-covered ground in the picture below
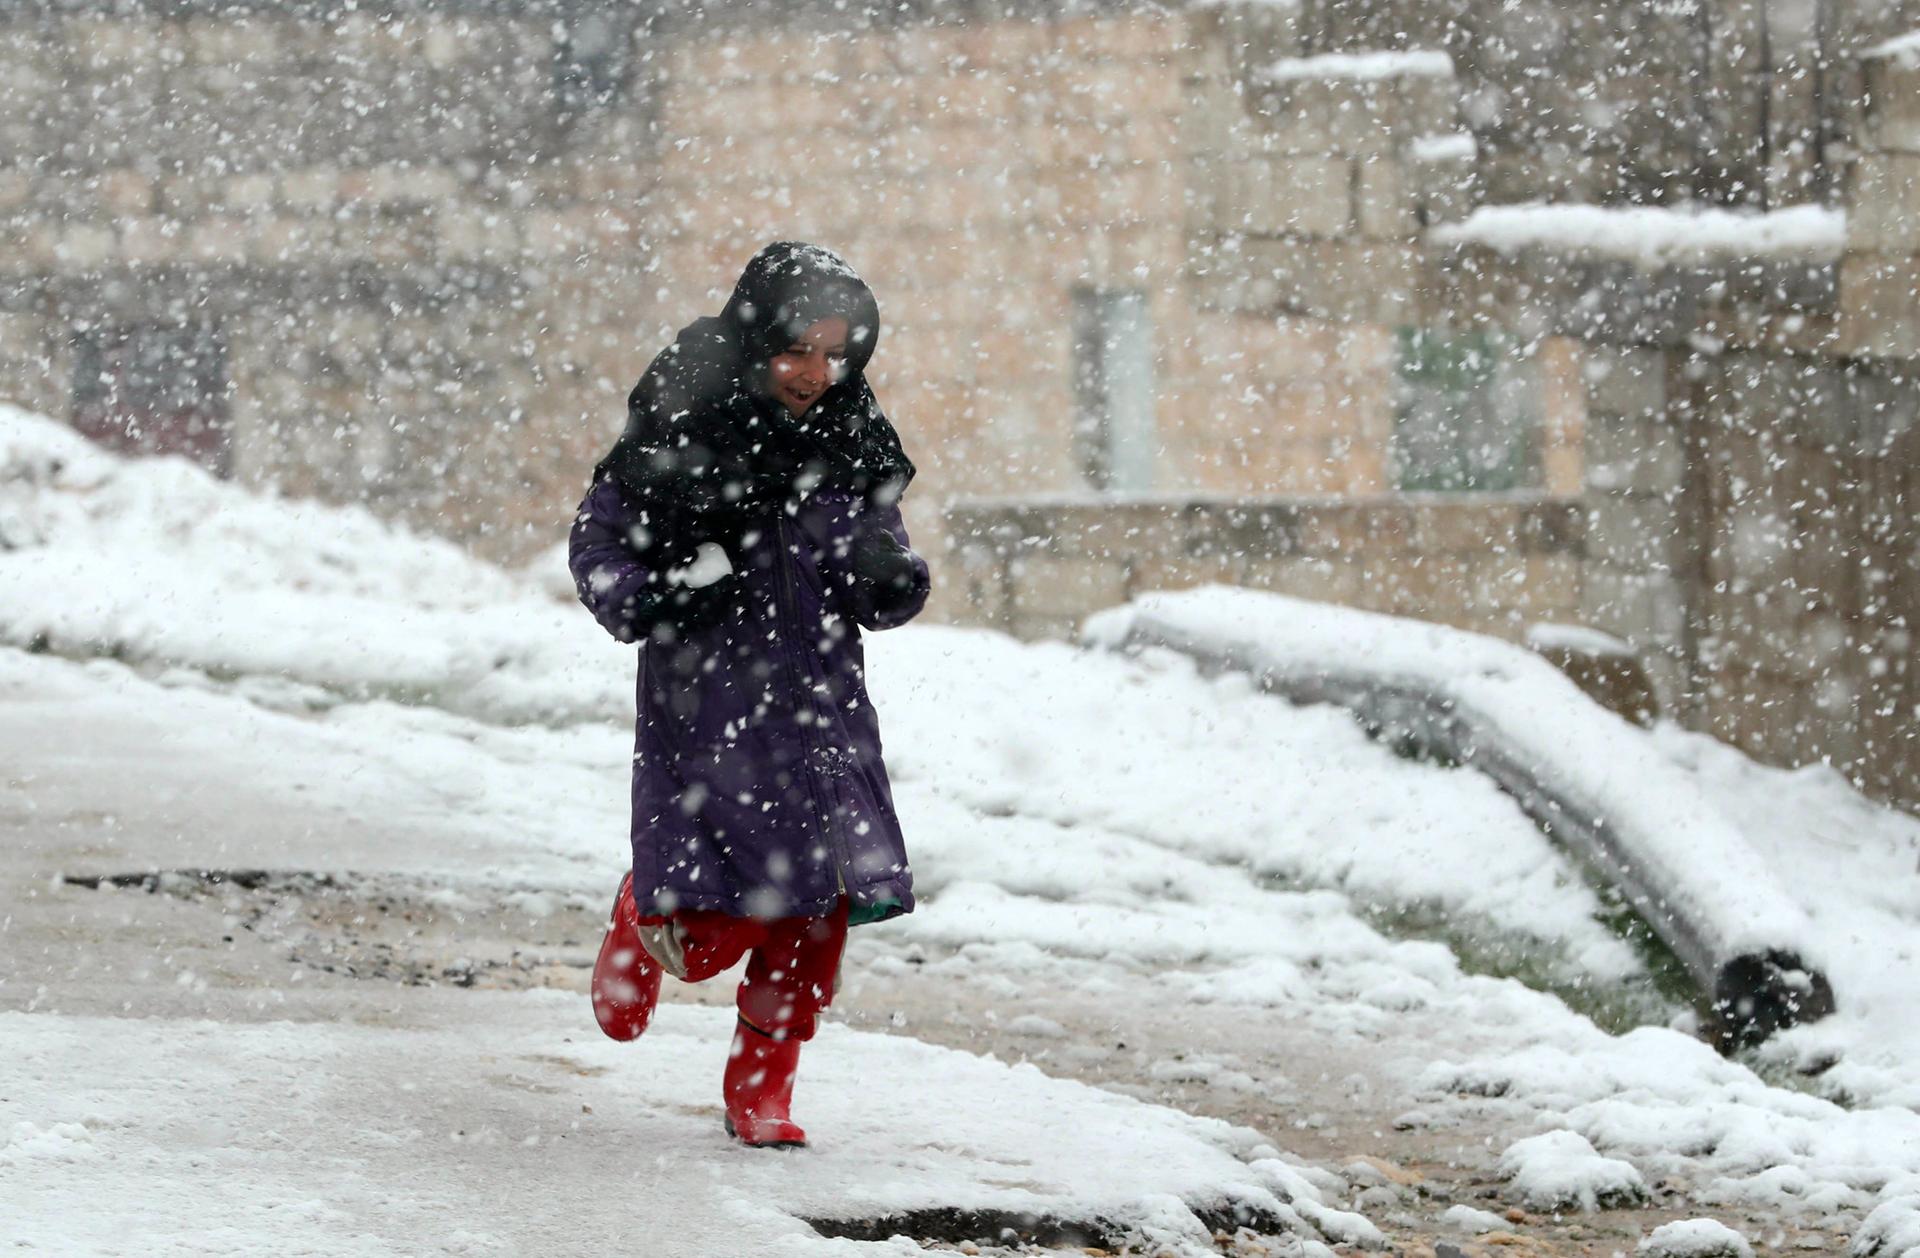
(310, 1137)
(1078, 819)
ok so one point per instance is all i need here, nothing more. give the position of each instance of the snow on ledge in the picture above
(1451, 146)
(1902, 48)
(1516, 703)
(1653, 235)
(1426, 63)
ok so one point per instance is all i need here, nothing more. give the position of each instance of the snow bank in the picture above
(1472, 1222)
(482, 1125)
(1893, 1229)
(1195, 789)
(1675, 1109)
(1695, 1238)
(154, 560)
(1501, 708)
(1851, 864)
(1559, 1170)
(1653, 236)
(1030, 900)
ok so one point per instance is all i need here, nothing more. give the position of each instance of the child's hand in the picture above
(709, 564)
(880, 561)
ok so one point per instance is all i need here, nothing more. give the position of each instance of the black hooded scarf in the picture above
(708, 450)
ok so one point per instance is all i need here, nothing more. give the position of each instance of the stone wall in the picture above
(1490, 564)
(1740, 423)
(432, 274)
(411, 255)
(1753, 470)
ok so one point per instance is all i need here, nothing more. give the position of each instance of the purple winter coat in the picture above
(758, 786)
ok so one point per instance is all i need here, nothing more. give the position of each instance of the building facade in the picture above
(1171, 293)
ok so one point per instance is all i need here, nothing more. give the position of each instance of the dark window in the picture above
(1466, 416)
(155, 389)
(1113, 387)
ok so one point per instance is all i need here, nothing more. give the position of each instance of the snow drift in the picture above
(1588, 777)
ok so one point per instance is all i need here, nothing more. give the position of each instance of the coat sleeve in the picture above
(890, 603)
(608, 576)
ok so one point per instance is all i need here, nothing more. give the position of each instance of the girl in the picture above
(742, 531)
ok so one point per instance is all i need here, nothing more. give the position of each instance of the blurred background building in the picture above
(1493, 312)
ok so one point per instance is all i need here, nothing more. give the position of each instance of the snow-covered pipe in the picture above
(1589, 779)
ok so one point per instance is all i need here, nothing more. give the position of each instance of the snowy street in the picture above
(205, 1034)
(308, 852)
(170, 1067)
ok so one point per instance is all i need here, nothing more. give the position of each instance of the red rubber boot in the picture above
(759, 1089)
(626, 981)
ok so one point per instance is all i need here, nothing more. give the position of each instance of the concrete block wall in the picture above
(1493, 565)
(1637, 579)
(1315, 178)
(1880, 317)
(1751, 521)
(1807, 598)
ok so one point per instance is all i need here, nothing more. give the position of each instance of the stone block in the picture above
(1627, 382)
(1645, 609)
(84, 246)
(1554, 583)
(311, 188)
(477, 235)
(216, 239)
(1292, 117)
(1065, 585)
(1302, 196)
(22, 336)
(187, 196)
(1883, 214)
(1878, 314)
(1887, 409)
(1759, 542)
(1184, 572)
(1358, 115)
(249, 193)
(35, 245)
(286, 241)
(1633, 456)
(227, 40)
(1444, 179)
(150, 241)
(1385, 198)
(1893, 102)
(1362, 280)
(126, 193)
(1303, 576)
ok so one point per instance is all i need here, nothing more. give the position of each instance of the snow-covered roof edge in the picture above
(1653, 235)
(1902, 48)
(1369, 64)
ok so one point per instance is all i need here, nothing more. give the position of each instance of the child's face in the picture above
(812, 364)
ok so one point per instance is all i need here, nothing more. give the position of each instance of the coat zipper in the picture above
(828, 831)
